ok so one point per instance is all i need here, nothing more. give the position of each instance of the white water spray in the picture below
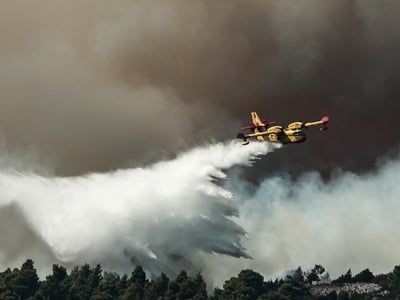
(161, 217)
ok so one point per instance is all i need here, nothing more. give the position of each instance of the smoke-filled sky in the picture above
(94, 86)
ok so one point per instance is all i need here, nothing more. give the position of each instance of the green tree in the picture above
(3, 281)
(393, 281)
(248, 285)
(293, 292)
(382, 280)
(187, 287)
(297, 277)
(157, 288)
(108, 288)
(180, 288)
(364, 276)
(138, 276)
(25, 282)
(172, 290)
(315, 273)
(186, 290)
(82, 282)
(199, 286)
(218, 294)
(136, 285)
(9, 295)
(344, 278)
(52, 288)
(133, 292)
(275, 295)
(122, 285)
(232, 289)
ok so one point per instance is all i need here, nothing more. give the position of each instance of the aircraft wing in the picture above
(324, 122)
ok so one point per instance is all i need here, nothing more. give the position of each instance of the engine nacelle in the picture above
(295, 125)
(275, 129)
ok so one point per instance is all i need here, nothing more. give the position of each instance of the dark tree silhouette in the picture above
(248, 285)
(158, 288)
(53, 287)
(315, 273)
(364, 276)
(346, 278)
(24, 282)
(90, 283)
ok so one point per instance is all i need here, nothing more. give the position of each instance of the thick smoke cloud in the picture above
(96, 84)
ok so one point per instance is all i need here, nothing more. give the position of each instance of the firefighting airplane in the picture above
(294, 133)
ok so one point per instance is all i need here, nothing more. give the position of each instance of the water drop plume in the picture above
(161, 216)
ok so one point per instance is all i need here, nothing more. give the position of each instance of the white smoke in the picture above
(162, 217)
(351, 221)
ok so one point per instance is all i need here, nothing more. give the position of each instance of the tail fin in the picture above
(258, 124)
(256, 119)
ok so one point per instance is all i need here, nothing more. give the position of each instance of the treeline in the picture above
(86, 282)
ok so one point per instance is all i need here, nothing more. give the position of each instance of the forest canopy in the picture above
(91, 282)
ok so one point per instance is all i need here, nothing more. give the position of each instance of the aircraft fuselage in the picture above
(292, 134)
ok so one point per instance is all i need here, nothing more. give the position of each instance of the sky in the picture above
(96, 86)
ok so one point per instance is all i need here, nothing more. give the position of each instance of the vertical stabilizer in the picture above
(256, 119)
(259, 126)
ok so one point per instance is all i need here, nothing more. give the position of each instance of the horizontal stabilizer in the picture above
(249, 127)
